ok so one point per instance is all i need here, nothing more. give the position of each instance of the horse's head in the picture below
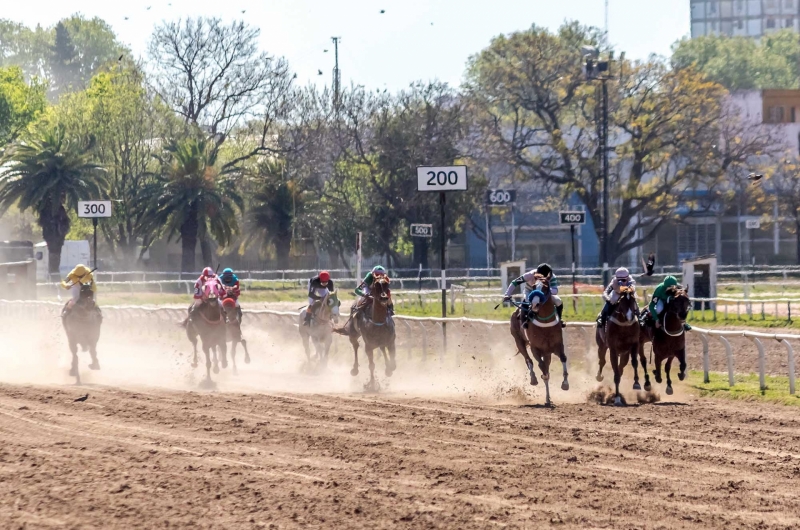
(380, 290)
(211, 291)
(678, 302)
(229, 308)
(627, 308)
(540, 294)
(331, 299)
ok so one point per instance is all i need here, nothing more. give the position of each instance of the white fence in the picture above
(414, 331)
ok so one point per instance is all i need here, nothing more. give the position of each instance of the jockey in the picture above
(230, 288)
(78, 277)
(318, 288)
(207, 276)
(528, 282)
(364, 287)
(659, 300)
(622, 278)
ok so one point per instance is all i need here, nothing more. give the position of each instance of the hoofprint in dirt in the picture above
(152, 458)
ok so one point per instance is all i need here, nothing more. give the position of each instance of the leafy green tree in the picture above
(20, 103)
(128, 122)
(672, 137)
(742, 63)
(49, 173)
(192, 199)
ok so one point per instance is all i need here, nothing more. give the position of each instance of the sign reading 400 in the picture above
(447, 178)
(94, 208)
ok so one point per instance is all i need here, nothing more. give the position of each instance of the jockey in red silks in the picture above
(206, 284)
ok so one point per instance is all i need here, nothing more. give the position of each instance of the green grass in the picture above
(747, 388)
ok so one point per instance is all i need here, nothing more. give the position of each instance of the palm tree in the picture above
(271, 214)
(192, 198)
(50, 174)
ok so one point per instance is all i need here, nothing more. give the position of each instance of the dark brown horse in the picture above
(82, 323)
(621, 336)
(208, 323)
(373, 323)
(233, 317)
(543, 334)
(668, 337)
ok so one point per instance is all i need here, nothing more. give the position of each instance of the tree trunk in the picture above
(283, 249)
(205, 251)
(54, 230)
(189, 242)
(797, 236)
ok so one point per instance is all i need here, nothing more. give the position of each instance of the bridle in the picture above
(628, 295)
(668, 311)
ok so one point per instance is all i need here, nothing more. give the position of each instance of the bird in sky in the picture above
(649, 265)
(755, 177)
(120, 57)
(148, 7)
(82, 398)
(324, 51)
(319, 72)
(126, 18)
(383, 11)
(243, 11)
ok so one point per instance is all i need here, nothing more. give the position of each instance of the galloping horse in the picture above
(376, 327)
(320, 329)
(669, 341)
(208, 322)
(622, 338)
(543, 335)
(234, 330)
(82, 324)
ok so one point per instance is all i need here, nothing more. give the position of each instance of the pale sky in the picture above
(413, 39)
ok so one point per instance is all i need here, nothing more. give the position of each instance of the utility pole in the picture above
(606, 21)
(337, 75)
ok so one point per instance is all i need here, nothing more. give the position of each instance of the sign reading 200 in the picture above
(447, 178)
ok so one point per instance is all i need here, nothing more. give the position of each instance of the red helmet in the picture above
(229, 303)
(324, 276)
(208, 271)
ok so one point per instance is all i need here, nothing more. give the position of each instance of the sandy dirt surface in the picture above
(452, 442)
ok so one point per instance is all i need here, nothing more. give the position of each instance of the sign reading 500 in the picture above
(447, 178)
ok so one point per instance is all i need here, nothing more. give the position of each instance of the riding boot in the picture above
(307, 320)
(559, 312)
(524, 315)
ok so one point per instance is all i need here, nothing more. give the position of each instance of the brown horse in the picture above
(373, 323)
(208, 322)
(621, 336)
(82, 324)
(543, 334)
(668, 337)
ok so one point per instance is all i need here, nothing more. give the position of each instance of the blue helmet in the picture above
(227, 271)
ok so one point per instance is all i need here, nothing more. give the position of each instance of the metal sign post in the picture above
(358, 259)
(94, 210)
(573, 218)
(442, 179)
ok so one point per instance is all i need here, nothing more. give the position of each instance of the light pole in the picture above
(597, 70)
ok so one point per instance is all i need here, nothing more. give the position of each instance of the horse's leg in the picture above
(73, 347)
(370, 351)
(233, 357)
(305, 338)
(326, 348)
(633, 353)
(643, 360)
(222, 346)
(562, 356)
(246, 353)
(601, 358)
(93, 352)
(392, 365)
(207, 353)
(682, 363)
(522, 347)
(193, 339)
(213, 350)
(615, 366)
(544, 366)
(667, 368)
(659, 360)
(354, 343)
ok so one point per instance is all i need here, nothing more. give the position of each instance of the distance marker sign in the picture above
(94, 208)
(572, 218)
(446, 178)
(421, 230)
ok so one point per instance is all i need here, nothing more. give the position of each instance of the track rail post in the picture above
(761, 363)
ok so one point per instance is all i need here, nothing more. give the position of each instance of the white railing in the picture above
(164, 315)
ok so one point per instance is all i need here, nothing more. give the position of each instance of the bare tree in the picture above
(215, 77)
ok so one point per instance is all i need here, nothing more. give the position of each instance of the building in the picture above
(745, 18)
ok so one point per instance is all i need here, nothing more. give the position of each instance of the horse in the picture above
(622, 338)
(543, 334)
(208, 322)
(373, 323)
(669, 340)
(82, 324)
(320, 329)
(233, 319)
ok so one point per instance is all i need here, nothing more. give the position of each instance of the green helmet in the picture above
(670, 281)
(378, 269)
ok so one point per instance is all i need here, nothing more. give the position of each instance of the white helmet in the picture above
(622, 273)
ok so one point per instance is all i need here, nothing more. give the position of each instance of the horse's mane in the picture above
(676, 291)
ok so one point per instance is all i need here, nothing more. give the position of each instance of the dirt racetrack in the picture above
(446, 444)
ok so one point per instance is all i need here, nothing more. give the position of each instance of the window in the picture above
(740, 24)
(770, 23)
(790, 22)
(789, 4)
(740, 5)
(712, 7)
(714, 25)
(770, 4)
(775, 114)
